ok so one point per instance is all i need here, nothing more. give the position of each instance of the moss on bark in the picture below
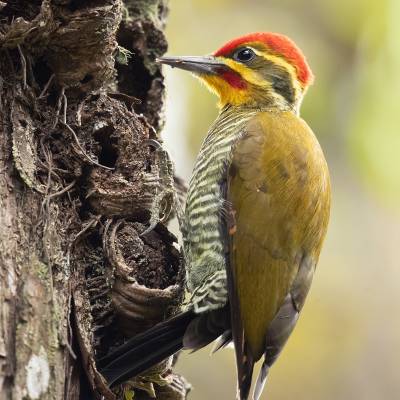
(75, 163)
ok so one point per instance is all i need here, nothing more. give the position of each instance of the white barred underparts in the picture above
(203, 244)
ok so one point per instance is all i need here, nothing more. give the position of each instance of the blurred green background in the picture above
(347, 342)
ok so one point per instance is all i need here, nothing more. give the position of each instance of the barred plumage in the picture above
(203, 245)
(255, 218)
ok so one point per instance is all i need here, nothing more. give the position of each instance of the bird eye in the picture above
(244, 55)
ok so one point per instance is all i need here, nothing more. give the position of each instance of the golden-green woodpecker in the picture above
(255, 218)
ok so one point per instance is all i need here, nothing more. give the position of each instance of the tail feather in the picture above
(206, 328)
(224, 340)
(145, 350)
(245, 375)
(138, 354)
(262, 378)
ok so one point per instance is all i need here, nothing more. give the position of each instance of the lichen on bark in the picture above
(79, 183)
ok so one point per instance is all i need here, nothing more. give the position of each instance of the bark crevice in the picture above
(80, 183)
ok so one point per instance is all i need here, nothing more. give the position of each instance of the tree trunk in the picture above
(82, 177)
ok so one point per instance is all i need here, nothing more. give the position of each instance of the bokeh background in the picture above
(347, 342)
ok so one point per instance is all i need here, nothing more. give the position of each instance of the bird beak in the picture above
(197, 64)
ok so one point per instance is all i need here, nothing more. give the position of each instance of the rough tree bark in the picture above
(82, 177)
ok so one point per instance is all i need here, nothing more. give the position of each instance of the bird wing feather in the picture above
(277, 206)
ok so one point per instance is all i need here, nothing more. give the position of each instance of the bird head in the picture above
(257, 70)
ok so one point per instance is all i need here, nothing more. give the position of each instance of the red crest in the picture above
(278, 44)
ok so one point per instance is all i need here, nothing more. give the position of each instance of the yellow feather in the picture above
(225, 92)
(238, 96)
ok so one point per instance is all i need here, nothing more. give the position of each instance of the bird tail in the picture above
(245, 375)
(145, 350)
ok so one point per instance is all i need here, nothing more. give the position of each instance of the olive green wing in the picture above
(277, 219)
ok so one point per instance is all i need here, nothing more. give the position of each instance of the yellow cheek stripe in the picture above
(252, 77)
(290, 68)
(246, 73)
(287, 66)
(236, 96)
(226, 92)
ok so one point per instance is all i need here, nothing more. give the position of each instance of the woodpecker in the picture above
(255, 217)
